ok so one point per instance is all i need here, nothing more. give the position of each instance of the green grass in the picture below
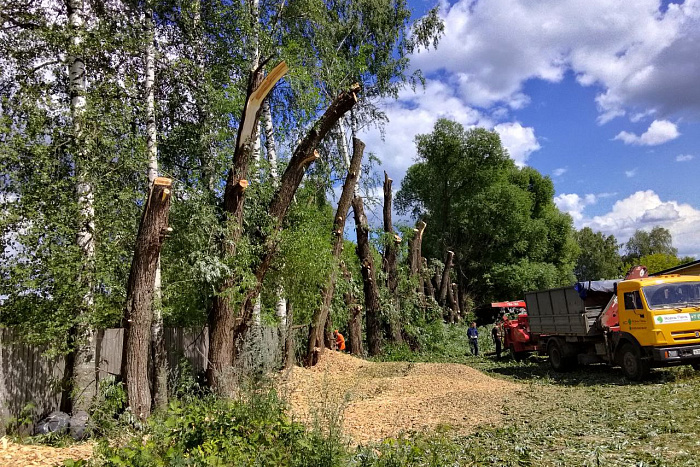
(592, 416)
(588, 417)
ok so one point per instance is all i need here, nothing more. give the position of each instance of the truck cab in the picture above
(660, 316)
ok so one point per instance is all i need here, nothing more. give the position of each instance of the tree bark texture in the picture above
(355, 318)
(445, 281)
(139, 297)
(320, 315)
(369, 280)
(415, 247)
(392, 277)
(429, 288)
(84, 381)
(222, 315)
(159, 372)
(304, 155)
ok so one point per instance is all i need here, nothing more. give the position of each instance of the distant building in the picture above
(687, 269)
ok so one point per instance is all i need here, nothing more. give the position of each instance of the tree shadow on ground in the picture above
(535, 369)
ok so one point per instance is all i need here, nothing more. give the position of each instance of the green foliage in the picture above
(657, 262)
(643, 243)
(500, 220)
(107, 409)
(599, 258)
(253, 430)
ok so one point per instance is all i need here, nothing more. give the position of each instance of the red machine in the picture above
(516, 328)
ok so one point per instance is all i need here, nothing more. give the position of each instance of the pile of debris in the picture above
(379, 400)
(36, 455)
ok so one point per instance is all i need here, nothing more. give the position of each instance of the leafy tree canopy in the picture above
(599, 258)
(500, 220)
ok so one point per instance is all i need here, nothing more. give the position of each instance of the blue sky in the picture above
(601, 95)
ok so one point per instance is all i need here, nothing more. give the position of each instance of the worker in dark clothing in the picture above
(473, 336)
(496, 336)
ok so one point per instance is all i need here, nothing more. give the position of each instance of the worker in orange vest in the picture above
(339, 340)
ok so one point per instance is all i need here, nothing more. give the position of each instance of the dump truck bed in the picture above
(562, 311)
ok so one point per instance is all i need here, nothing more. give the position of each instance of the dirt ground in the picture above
(20, 455)
(373, 400)
(377, 400)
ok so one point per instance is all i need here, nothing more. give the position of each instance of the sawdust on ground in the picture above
(382, 399)
(16, 455)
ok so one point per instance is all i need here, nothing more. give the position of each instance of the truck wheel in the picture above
(633, 366)
(696, 366)
(556, 357)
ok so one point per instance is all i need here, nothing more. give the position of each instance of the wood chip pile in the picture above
(17, 455)
(378, 400)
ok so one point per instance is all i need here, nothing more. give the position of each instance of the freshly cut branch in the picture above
(321, 314)
(139, 297)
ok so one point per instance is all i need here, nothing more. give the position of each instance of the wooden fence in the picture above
(29, 377)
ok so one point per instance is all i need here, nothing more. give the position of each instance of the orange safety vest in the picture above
(340, 341)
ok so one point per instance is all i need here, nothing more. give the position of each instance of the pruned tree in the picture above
(139, 297)
(321, 315)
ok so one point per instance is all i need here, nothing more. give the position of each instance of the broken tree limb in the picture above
(139, 297)
(321, 314)
(221, 316)
(284, 195)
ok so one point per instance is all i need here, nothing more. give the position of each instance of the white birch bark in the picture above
(85, 368)
(159, 361)
(270, 145)
(344, 150)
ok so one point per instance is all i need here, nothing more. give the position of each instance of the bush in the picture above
(252, 430)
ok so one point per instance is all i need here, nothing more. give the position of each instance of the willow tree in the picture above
(499, 220)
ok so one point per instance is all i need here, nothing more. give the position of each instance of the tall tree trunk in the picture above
(159, 374)
(415, 247)
(392, 277)
(355, 317)
(428, 284)
(270, 145)
(139, 297)
(303, 156)
(84, 368)
(321, 315)
(389, 264)
(369, 281)
(445, 282)
(222, 315)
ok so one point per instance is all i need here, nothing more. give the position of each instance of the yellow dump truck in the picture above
(637, 323)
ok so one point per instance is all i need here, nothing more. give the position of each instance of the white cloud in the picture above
(574, 204)
(659, 132)
(684, 158)
(416, 113)
(559, 172)
(631, 173)
(645, 210)
(520, 141)
(644, 59)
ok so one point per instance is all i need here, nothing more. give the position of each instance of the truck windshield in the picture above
(672, 295)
